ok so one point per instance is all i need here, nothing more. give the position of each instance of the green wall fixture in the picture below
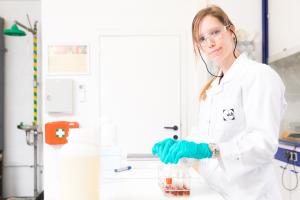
(14, 31)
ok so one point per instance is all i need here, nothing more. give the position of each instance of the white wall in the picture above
(18, 177)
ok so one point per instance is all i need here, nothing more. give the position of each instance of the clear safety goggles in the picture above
(214, 35)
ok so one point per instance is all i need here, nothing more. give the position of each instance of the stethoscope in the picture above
(222, 74)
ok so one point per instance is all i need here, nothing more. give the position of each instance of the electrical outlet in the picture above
(291, 156)
(288, 155)
(294, 156)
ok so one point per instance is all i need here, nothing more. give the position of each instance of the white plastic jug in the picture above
(79, 163)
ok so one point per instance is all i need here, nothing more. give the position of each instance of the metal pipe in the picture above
(265, 31)
(35, 165)
(33, 31)
(35, 80)
(33, 130)
(35, 72)
(28, 139)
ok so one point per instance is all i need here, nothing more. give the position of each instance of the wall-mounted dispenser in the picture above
(59, 96)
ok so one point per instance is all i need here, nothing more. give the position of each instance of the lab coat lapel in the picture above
(235, 69)
(232, 73)
(216, 88)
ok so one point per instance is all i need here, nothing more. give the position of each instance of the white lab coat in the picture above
(242, 115)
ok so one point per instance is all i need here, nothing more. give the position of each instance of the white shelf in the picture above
(286, 52)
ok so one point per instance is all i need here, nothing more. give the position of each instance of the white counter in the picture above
(140, 183)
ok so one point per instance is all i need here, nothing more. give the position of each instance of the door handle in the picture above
(175, 128)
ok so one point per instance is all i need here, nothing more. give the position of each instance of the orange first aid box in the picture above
(57, 132)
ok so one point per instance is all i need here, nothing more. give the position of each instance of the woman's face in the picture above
(215, 40)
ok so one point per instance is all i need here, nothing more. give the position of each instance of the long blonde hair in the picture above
(218, 13)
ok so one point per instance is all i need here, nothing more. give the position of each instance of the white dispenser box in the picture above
(59, 95)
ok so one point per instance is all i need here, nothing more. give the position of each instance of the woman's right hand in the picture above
(161, 149)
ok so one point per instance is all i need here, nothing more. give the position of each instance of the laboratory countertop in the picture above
(141, 182)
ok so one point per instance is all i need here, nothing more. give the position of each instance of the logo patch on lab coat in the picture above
(228, 114)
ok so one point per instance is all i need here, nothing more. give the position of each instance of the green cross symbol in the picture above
(60, 133)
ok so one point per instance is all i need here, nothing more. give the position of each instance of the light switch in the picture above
(59, 95)
(81, 92)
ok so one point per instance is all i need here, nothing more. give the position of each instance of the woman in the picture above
(240, 113)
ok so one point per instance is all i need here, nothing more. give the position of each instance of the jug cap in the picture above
(81, 135)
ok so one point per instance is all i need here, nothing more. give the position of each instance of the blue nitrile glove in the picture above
(162, 148)
(186, 149)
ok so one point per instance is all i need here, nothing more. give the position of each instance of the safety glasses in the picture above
(212, 36)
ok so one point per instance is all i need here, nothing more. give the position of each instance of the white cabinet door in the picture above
(284, 180)
(283, 29)
(140, 88)
(142, 67)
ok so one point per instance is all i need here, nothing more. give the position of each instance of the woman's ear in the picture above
(232, 29)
